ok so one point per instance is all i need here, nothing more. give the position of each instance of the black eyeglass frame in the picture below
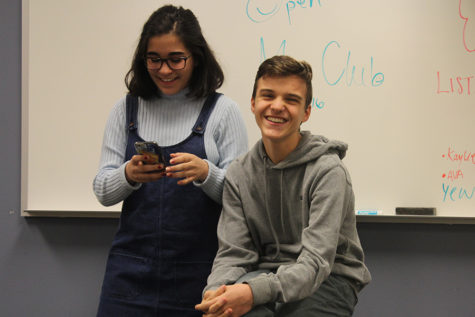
(161, 60)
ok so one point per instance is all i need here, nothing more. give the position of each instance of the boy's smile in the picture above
(279, 108)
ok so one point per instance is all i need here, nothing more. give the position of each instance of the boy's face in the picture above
(279, 108)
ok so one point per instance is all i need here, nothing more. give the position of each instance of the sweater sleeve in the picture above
(328, 201)
(110, 185)
(230, 136)
(237, 253)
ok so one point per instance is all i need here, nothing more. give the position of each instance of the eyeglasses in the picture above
(175, 63)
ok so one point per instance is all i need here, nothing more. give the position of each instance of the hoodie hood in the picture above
(309, 149)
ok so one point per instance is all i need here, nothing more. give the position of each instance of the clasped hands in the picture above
(186, 166)
(227, 301)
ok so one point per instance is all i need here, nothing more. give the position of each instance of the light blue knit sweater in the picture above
(168, 120)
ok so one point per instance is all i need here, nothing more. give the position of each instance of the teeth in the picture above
(275, 120)
(166, 80)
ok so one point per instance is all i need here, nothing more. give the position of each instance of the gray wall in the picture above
(53, 267)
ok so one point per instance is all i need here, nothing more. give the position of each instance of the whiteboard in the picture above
(393, 79)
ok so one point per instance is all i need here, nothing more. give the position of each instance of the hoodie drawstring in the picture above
(282, 201)
(274, 234)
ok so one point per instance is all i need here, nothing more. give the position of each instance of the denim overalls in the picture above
(163, 250)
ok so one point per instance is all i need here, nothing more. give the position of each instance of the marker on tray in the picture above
(369, 212)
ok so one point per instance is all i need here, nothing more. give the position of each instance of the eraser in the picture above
(368, 212)
(417, 211)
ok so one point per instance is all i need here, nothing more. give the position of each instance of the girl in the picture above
(166, 241)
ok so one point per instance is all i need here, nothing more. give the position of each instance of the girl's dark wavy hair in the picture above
(207, 75)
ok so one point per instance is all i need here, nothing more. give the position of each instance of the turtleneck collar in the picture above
(182, 94)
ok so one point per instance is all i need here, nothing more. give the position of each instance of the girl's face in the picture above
(176, 63)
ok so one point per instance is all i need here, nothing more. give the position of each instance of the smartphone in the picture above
(152, 150)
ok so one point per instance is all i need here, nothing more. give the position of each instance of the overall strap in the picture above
(200, 125)
(132, 105)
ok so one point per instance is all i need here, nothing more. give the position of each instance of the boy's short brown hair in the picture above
(281, 66)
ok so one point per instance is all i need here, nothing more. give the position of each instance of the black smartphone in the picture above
(152, 150)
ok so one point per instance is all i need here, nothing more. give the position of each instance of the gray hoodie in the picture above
(295, 218)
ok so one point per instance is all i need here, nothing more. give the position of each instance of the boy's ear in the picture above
(253, 105)
(308, 110)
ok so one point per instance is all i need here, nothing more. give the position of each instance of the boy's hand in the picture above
(235, 301)
(211, 302)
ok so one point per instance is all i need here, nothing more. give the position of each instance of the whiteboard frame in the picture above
(113, 214)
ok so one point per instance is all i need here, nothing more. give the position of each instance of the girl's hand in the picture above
(187, 166)
(136, 171)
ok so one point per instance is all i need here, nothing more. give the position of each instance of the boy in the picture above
(287, 232)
